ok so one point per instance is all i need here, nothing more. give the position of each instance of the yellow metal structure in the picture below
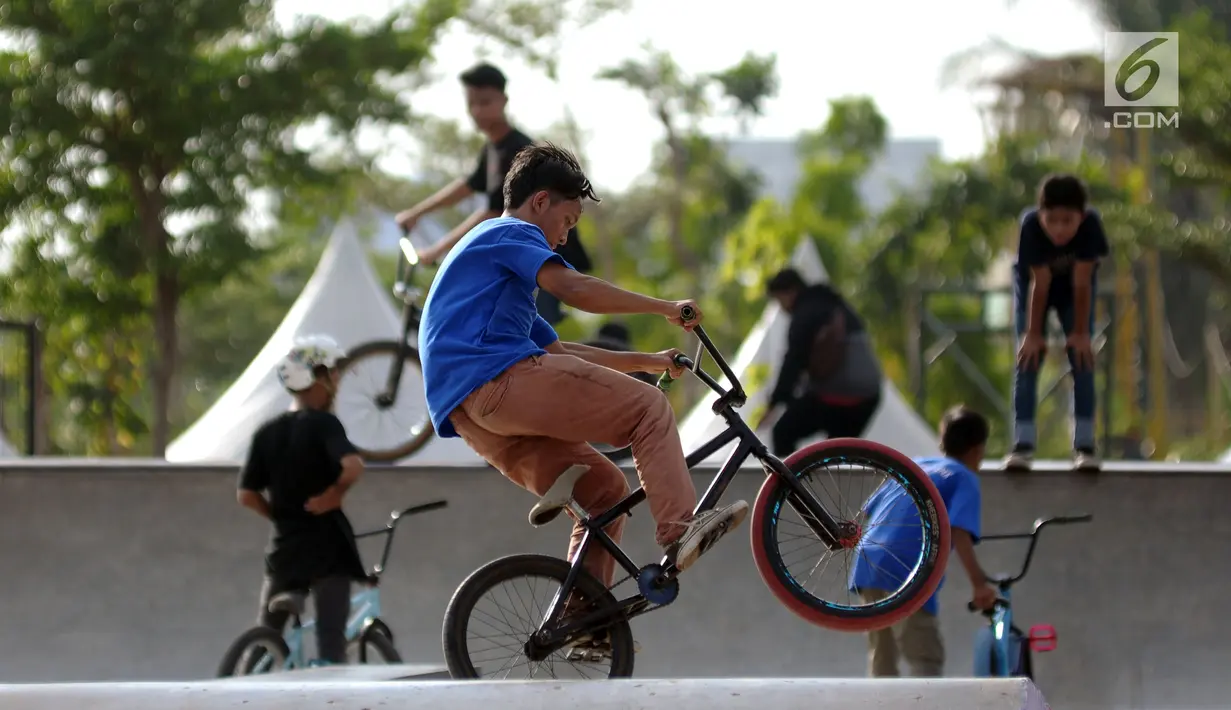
(1155, 315)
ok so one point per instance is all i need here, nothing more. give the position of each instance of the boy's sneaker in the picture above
(1020, 459)
(703, 531)
(1086, 460)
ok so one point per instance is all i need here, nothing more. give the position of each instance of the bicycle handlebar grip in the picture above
(687, 313)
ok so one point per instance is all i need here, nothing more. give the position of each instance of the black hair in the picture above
(484, 76)
(544, 166)
(615, 331)
(962, 429)
(1062, 191)
(785, 281)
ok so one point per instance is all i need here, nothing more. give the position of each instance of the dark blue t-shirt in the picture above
(890, 548)
(1035, 248)
(479, 317)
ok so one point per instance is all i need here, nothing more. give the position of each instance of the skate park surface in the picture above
(145, 571)
(786, 694)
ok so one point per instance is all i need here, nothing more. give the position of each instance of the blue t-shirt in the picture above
(1035, 248)
(895, 534)
(479, 317)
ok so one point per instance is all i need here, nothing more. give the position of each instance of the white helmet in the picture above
(295, 369)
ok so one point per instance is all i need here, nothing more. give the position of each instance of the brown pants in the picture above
(916, 638)
(534, 420)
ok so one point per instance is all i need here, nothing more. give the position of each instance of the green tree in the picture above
(182, 108)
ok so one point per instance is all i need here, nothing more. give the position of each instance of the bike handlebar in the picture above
(734, 396)
(1033, 535)
(391, 527)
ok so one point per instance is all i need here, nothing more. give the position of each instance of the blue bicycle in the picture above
(1001, 649)
(262, 649)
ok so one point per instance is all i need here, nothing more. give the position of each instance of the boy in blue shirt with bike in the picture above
(894, 538)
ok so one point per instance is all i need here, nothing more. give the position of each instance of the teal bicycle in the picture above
(262, 649)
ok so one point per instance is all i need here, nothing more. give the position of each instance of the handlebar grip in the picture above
(1083, 518)
(687, 313)
(665, 380)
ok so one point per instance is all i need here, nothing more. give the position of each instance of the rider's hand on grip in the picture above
(686, 314)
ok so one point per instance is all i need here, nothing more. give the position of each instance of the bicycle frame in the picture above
(365, 604)
(411, 313)
(817, 518)
(1001, 614)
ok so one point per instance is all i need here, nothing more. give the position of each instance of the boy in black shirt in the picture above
(486, 102)
(304, 462)
(1058, 252)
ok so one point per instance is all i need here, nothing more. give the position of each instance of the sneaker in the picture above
(1085, 460)
(1020, 459)
(703, 531)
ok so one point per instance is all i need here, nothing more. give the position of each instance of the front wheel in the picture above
(383, 425)
(878, 552)
(501, 605)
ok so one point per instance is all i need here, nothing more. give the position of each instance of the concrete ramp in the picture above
(780, 694)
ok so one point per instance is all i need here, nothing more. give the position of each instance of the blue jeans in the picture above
(1026, 382)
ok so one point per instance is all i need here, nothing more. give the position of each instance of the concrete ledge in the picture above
(75, 465)
(780, 694)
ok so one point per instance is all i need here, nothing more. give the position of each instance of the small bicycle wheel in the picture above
(777, 540)
(257, 650)
(499, 607)
(373, 647)
(383, 431)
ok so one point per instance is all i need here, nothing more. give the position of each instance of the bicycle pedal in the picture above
(587, 655)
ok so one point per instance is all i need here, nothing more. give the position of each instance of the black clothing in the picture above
(488, 178)
(806, 416)
(294, 457)
(814, 307)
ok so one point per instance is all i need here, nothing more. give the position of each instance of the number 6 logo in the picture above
(1134, 62)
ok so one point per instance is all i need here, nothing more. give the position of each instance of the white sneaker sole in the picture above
(700, 543)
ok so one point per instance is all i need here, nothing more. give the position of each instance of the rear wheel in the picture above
(499, 607)
(374, 646)
(779, 534)
(382, 430)
(257, 650)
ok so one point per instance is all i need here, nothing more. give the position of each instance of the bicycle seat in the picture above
(292, 603)
(556, 497)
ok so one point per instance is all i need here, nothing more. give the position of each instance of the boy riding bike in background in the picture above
(305, 462)
(496, 374)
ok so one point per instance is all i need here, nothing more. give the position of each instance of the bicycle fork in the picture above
(836, 535)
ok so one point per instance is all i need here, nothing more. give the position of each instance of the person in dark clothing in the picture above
(616, 337)
(829, 349)
(486, 101)
(299, 467)
(1060, 245)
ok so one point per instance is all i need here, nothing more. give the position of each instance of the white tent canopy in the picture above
(345, 300)
(7, 450)
(895, 424)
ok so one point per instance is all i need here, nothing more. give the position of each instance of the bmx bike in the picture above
(262, 649)
(549, 633)
(1001, 649)
(373, 372)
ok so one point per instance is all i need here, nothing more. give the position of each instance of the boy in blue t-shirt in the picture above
(496, 374)
(891, 547)
(1058, 252)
